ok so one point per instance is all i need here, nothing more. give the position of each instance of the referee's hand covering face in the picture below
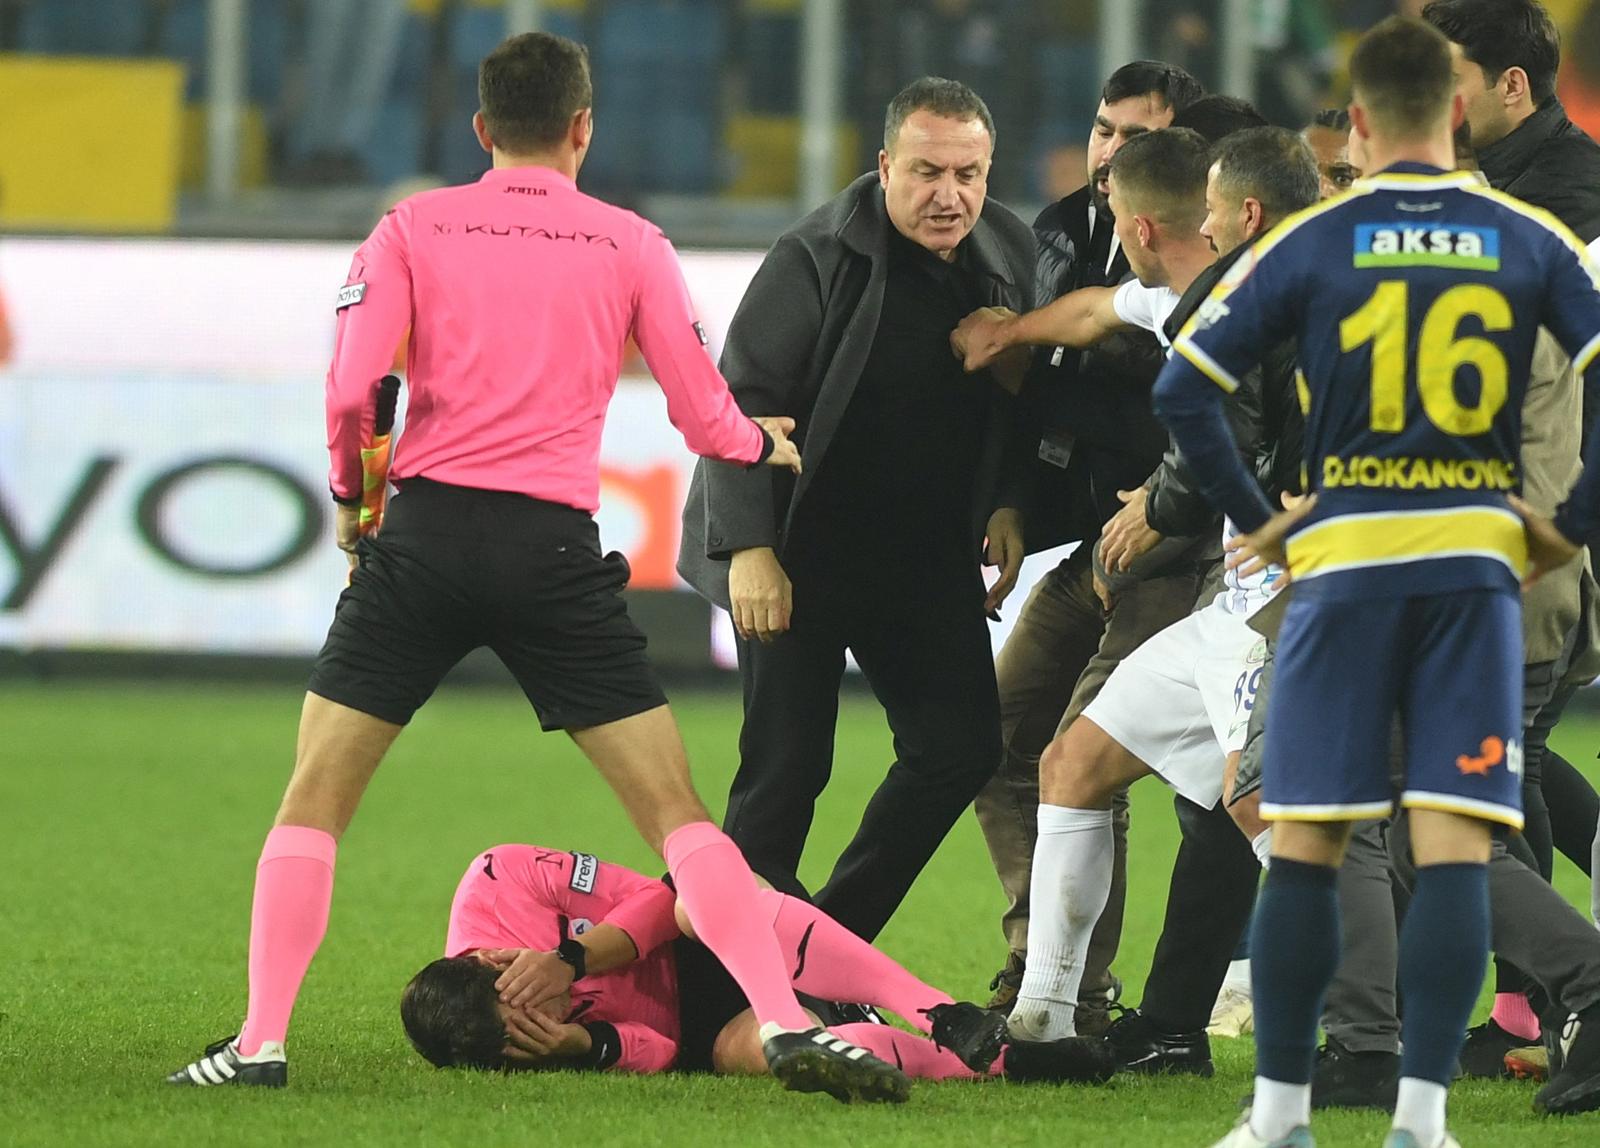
(935, 178)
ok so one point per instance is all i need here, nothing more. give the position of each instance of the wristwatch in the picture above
(574, 954)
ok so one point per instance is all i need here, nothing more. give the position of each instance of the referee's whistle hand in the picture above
(760, 595)
(784, 453)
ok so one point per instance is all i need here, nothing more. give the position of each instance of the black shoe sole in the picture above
(848, 1081)
(1157, 1066)
(1073, 1060)
(246, 1078)
(1581, 1097)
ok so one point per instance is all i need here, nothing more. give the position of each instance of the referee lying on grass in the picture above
(520, 293)
(559, 960)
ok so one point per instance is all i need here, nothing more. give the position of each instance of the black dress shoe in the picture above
(1483, 1056)
(1072, 1060)
(1345, 1079)
(1140, 1046)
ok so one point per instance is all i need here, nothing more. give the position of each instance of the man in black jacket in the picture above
(876, 547)
(1098, 436)
(1507, 53)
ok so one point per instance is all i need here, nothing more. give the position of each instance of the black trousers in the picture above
(920, 637)
(1213, 890)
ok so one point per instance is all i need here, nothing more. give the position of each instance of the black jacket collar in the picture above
(1506, 159)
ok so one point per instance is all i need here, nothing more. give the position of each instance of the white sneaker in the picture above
(1243, 1136)
(1234, 1014)
(1400, 1139)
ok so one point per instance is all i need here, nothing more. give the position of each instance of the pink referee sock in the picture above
(1513, 1013)
(294, 888)
(827, 960)
(916, 1056)
(721, 896)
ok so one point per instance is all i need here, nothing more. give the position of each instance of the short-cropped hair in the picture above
(949, 99)
(1272, 165)
(1402, 75)
(530, 87)
(1163, 174)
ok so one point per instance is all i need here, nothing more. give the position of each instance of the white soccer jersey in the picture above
(1149, 308)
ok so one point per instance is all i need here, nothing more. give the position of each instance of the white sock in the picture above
(1071, 882)
(1261, 846)
(1279, 1108)
(1238, 978)
(1420, 1110)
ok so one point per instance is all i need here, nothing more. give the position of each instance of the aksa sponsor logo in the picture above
(1441, 245)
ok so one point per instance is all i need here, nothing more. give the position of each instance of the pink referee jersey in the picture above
(521, 897)
(520, 293)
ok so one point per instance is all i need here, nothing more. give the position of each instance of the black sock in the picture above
(1444, 945)
(1294, 952)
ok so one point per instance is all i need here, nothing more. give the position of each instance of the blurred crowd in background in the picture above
(698, 97)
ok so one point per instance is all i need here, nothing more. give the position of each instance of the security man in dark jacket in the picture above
(876, 547)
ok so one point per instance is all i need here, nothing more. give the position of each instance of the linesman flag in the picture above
(375, 457)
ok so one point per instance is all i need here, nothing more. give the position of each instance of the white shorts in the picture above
(1181, 702)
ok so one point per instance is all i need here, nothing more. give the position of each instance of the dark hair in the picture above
(950, 99)
(1176, 88)
(1334, 119)
(1402, 74)
(1500, 34)
(530, 87)
(449, 1012)
(1164, 172)
(1217, 117)
(1272, 165)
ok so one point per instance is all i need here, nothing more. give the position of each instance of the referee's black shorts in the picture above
(708, 998)
(456, 568)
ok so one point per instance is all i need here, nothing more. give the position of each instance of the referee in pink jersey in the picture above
(520, 293)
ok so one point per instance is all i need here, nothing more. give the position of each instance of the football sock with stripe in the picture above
(1443, 947)
(723, 901)
(1071, 883)
(1294, 952)
(288, 917)
(827, 960)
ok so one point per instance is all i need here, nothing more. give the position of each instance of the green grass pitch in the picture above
(132, 816)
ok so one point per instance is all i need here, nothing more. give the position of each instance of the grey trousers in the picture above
(1060, 653)
(1530, 923)
(1361, 1012)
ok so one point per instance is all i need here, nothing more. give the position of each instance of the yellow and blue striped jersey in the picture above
(1416, 300)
